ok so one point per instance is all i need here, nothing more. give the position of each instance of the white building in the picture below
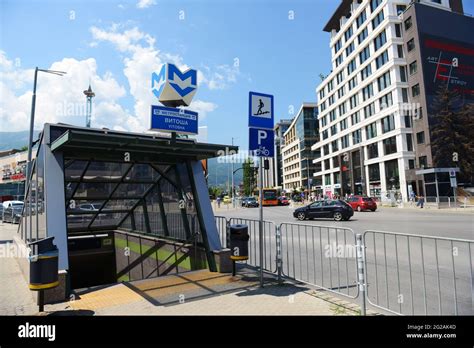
(366, 141)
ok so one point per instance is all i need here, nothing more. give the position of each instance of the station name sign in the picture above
(174, 88)
(174, 120)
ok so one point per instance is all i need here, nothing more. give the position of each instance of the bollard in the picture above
(361, 272)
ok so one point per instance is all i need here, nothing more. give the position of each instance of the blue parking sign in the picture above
(261, 142)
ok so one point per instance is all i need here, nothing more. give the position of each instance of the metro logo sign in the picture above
(173, 87)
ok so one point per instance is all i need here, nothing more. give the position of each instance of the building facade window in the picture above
(415, 90)
(334, 145)
(337, 46)
(383, 81)
(385, 101)
(355, 118)
(350, 49)
(348, 34)
(371, 130)
(352, 82)
(367, 92)
(377, 20)
(345, 141)
(420, 138)
(333, 129)
(411, 45)
(374, 4)
(364, 54)
(338, 60)
(373, 151)
(388, 123)
(407, 119)
(351, 66)
(403, 73)
(400, 51)
(398, 30)
(381, 59)
(361, 19)
(405, 95)
(413, 67)
(354, 101)
(423, 161)
(380, 40)
(389, 145)
(332, 115)
(369, 110)
(411, 164)
(409, 142)
(408, 23)
(366, 72)
(362, 35)
(356, 136)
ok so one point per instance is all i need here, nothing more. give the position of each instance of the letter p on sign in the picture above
(262, 135)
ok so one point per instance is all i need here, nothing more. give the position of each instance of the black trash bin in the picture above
(239, 242)
(43, 264)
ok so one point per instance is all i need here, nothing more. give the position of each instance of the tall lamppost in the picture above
(32, 121)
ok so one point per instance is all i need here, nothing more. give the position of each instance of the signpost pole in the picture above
(260, 236)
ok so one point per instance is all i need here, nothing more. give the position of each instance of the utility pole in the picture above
(232, 169)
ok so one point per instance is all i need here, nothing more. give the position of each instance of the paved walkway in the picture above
(194, 293)
(15, 297)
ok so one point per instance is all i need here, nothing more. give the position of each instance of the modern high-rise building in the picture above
(303, 132)
(367, 140)
(280, 128)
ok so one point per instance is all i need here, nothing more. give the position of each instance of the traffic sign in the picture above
(454, 182)
(452, 173)
(261, 110)
(173, 120)
(261, 142)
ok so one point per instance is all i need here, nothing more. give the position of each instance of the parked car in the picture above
(283, 200)
(227, 200)
(336, 209)
(249, 202)
(12, 213)
(360, 203)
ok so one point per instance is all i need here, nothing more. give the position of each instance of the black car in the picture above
(12, 214)
(249, 202)
(336, 209)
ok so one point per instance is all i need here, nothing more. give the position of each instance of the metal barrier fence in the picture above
(269, 240)
(414, 274)
(320, 255)
(396, 272)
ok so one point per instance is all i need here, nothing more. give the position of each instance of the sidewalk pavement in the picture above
(131, 299)
(15, 297)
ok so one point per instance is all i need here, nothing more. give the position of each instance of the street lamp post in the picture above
(32, 122)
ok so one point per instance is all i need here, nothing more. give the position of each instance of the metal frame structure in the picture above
(121, 176)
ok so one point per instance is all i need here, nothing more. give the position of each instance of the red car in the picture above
(360, 203)
(283, 201)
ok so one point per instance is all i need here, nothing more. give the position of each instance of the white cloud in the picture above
(142, 57)
(145, 3)
(61, 99)
(58, 98)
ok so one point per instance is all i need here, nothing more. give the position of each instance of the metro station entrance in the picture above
(134, 206)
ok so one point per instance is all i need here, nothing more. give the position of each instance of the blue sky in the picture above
(116, 44)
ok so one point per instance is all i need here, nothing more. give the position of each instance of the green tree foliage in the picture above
(452, 133)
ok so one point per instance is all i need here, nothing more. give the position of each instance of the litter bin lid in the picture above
(239, 227)
(43, 245)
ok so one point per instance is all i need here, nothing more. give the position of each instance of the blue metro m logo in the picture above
(173, 87)
(173, 71)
